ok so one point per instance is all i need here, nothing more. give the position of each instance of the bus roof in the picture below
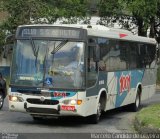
(102, 31)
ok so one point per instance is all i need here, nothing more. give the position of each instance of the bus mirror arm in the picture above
(5, 51)
(9, 40)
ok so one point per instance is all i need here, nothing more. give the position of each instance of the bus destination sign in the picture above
(50, 32)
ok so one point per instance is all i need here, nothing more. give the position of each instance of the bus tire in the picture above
(1, 100)
(96, 117)
(136, 105)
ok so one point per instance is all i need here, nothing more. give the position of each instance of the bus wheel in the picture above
(96, 117)
(136, 105)
(1, 100)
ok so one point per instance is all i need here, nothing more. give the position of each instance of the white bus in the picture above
(79, 70)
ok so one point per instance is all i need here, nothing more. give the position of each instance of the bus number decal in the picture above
(125, 81)
(101, 82)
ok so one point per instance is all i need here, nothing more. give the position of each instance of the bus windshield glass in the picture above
(46, 63)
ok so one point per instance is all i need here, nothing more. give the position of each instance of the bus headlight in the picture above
(73, 102)
(15, 99)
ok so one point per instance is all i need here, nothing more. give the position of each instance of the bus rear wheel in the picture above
(1, 100)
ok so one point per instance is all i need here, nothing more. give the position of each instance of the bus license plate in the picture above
(67, 108)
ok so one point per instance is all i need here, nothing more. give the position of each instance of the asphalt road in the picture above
(114, 121)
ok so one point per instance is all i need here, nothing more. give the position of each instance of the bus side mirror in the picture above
(9, 41)
(96, 54)
(7, 49)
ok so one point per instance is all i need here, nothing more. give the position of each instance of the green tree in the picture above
(142, 13)
(71, 11)
(2, 37)
(43, 11)
(23, 12)
(114, 11)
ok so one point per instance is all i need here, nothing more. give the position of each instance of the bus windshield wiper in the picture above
(33, 47)
(35, 52)
(44, 66)
(59, 46)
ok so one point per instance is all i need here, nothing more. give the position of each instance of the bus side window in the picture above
(147, 55)
(141, 56)
(151, 50)
(104, 54)
(133, 56)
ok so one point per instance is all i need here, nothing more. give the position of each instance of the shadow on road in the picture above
(72, 121)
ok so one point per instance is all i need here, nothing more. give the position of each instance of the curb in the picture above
(139, 127)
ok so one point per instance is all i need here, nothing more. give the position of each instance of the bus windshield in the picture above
(46, 63)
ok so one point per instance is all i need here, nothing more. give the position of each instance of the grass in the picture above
(150, 116)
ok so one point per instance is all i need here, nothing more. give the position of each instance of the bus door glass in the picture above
(92, 67)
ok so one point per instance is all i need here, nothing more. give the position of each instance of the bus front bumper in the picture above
(46, 110)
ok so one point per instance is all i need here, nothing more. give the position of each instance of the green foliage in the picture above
(143, 13)
(144, 8)
(2, 37)
(23, 12)
(42, 11)
(112, 11)
(72, 10)
(110, 8)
